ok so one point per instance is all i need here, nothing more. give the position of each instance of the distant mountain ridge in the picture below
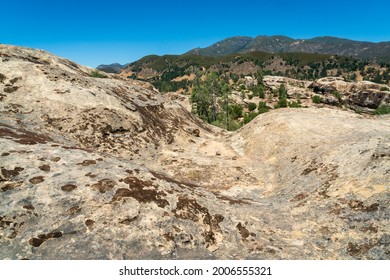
(112, 68)
(379, 52)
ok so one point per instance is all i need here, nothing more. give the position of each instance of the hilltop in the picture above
(99, 166)
(379, 52)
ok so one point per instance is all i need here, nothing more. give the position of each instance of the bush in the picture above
(251, 106)
(282, 91)
(97, 74)
(384, 89)
(262, 105)
(294, 104)
(337, 95)
(259, 91)
(262, 110)
(249, 116)
(235, 111)
(382, 110)
(282, 103)
(317, 99)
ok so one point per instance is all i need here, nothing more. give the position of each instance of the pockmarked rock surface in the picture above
(108, 168)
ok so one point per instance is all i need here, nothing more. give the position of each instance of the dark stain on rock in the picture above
(356, 250)
(325, 230)
(231, 201)
(293, 159)
(299, 197)
(74, 210)
(68, 188)
(87, 162)
(11, 186)
(44, 167)
(243, 230)
(271, 251)
(190, 209)
(358, 205)
(153, 118)
(104, 185)
(89, 174)
(29, 207)
(10, 89)
(36, 180)
(142, 191)
(37, 241)
(336, 209)
(5, 154)
(2, 78)
(11, 173)
(89, 223)
(5, 223)
(312, 167)
(168, 236)
(128, 221)
(371, 228)
(171, 180)
(22, 136)
(56, 159)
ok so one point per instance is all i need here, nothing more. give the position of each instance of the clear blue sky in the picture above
(101, 32)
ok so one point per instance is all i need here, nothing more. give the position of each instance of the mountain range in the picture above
(377, 52)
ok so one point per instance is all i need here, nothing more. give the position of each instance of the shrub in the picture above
(259, 91)
(382, 110)
(262, 105)
(235, 111)
(262, 110)
(337, 95)
(384, 89)
(316, 99)
(251, 106)
(249, 116)
(294, 104)
(282, 91)
(282, 103)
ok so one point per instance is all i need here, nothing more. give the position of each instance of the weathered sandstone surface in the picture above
(108, 168)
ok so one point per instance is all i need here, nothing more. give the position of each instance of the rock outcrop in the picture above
(363, 96)
(108, 168)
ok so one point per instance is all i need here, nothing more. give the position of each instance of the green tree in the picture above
(251, 106)
(282, 91)
(282, 103)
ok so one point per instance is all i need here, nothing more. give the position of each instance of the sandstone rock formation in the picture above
(108, 168)
(364, 96)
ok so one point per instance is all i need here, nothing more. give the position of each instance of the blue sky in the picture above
(101, 32)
